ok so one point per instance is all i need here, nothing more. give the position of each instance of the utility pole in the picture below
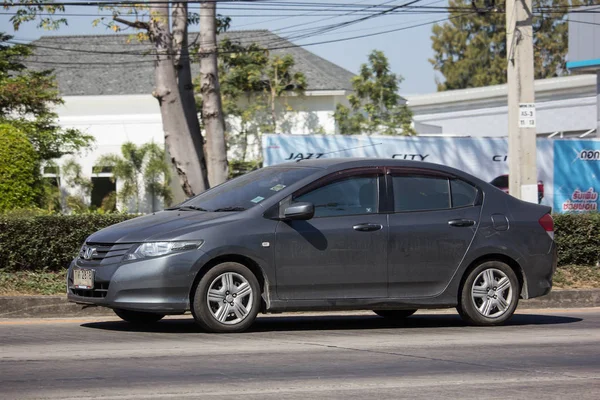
(521, 101)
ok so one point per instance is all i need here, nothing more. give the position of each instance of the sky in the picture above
(408, 49)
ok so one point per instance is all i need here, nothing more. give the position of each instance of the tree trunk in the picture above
(212, 112)
(273, 97)
(184, 81)
(178, 138)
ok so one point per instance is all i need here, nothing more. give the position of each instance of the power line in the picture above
(87, 64)
(299, 34)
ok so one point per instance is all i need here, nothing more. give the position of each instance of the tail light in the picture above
(548, 224)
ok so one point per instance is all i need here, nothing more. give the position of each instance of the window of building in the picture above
(103, 187)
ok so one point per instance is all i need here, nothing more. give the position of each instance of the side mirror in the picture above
(299, 211)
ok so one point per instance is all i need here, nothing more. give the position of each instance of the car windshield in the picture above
(247, 190)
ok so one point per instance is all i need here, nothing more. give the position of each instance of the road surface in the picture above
(550, 354)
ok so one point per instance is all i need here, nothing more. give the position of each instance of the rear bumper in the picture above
(538, 271)
(159, 285)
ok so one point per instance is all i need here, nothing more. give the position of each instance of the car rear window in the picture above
(463, 194)
(419, 193)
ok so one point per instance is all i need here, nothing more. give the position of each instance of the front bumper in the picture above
(159, 285)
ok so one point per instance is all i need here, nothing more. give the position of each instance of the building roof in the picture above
(92, 65)
(551, 89)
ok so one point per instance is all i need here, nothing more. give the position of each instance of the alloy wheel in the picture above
(230, 298)
(491, 293)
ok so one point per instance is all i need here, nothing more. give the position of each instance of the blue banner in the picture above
(576, 173)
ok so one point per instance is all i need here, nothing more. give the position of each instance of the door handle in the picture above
(367, 227)
(461, 222)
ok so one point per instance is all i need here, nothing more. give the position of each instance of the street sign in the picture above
(526, 115)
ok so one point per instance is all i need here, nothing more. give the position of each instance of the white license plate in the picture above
(83, 278)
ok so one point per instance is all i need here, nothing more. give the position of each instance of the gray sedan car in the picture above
(328, 234)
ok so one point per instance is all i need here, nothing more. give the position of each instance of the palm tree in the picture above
(135, 166)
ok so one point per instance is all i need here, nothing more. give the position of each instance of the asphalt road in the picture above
(549, 354)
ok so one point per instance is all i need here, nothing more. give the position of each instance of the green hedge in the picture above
(578, 238)
(49, 242)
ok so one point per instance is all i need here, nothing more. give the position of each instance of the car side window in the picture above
(463, 194)
(350, 196)
(420, 193)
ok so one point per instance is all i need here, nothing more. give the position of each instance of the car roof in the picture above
(338, 164)
(357, 162)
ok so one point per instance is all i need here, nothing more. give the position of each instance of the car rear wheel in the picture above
(227, 299)
(138, 317)
(395, 314)
(489, 295)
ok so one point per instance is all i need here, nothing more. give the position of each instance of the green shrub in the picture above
(47, 242)
(578, 238)
(19, 169)
(30, 241)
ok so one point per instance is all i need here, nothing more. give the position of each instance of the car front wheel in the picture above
(227, 299)
(489, 295)
(138, 317)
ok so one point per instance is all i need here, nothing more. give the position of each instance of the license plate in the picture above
(83, 278)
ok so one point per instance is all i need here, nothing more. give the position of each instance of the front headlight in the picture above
(157, 249)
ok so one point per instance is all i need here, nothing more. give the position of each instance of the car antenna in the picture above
(349, 148)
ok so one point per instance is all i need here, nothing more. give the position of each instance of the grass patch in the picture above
(53, 283)
(32, 283)
(577, 277)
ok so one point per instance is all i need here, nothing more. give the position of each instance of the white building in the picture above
(566, 107)
(106, 82)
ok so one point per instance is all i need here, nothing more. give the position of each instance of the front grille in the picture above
(106, 253)
(99, 291)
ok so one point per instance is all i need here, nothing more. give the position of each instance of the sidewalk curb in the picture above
(57, 306)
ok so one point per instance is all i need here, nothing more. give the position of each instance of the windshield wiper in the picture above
(187, 208)
(230, 209)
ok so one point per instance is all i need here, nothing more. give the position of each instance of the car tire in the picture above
(138, 317)
(490, 294)
(395, 314)
(227, 299)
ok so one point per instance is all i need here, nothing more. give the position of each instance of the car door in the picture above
(432, 225)
(341, 253)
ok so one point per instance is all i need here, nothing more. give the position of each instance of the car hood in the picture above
(164, 225)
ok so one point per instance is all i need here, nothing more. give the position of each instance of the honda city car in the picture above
(390, 236)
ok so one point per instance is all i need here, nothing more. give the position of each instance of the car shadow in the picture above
(296, 323)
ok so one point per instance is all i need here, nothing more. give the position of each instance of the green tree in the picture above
(470, 48)
(27, 99)
(136, 166)
(19, 170)
(81, 186)
(252, 85)
(165, 27)
(156, 174)
(281, 81)
(375, 105)
(241, 71)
